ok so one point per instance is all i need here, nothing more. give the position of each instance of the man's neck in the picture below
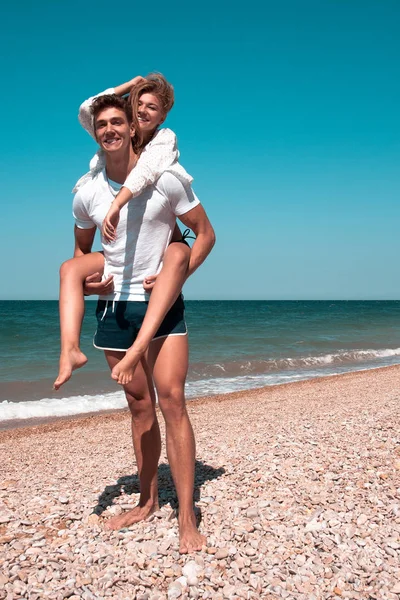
(118, 166)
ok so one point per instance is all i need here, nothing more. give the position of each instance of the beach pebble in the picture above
(396, 588)
(314, 526)
(149, 548)
(284, 518)
(252, 513)
(228, 590)
(4, 518)
(174, 590)
(361, 520)
(114, 510)
(191, 571)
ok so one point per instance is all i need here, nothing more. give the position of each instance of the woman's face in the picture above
(150, 114)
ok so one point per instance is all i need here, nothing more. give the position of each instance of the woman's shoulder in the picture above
(163, 136)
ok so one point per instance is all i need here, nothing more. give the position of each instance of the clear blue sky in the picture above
(287, 116)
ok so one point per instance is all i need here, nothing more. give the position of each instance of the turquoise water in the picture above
(233, 345)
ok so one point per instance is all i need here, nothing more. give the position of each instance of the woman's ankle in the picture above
(69, 348)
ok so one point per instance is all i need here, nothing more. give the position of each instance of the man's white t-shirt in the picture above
(144, 230)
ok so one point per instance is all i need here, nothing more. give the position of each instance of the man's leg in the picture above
(169, 359)
(146, 441)
(166, 290)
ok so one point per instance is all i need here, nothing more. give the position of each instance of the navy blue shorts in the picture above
(118, 323)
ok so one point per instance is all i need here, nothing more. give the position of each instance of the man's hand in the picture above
(110, 223)
(149, 283)
(94, 286)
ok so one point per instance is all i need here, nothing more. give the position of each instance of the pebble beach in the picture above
(297, 491)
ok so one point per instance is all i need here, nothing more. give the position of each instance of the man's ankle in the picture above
(148, 502)
(187, 516)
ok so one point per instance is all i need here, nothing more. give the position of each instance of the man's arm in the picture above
(83, 240)
(198, 221)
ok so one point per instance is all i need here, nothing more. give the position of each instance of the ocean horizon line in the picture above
(94, 299)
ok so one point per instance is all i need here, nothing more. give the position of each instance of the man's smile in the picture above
(112, 141)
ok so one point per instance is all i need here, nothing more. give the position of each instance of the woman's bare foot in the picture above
(190, 538)
(139, 513)
(124, 370)
(70, 360)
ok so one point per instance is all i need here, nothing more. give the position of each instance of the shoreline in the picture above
(51, 423)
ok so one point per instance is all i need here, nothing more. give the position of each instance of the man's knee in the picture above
(141, 406)
(172, 404)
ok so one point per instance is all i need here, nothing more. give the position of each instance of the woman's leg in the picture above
(72, 308)
(166, 290)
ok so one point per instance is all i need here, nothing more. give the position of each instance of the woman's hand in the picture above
(110, 223)
(136, 80)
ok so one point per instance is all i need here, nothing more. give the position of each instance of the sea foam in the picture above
(61, 407)
(209, 380)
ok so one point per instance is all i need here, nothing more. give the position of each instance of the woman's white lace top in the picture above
(159, 155)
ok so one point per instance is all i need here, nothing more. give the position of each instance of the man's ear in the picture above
(132, 130)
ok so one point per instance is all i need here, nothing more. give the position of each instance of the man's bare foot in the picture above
(190, 538)
(124, 370)
(69, 361)
(139, 513)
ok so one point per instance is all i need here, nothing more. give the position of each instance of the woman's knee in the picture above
(71, 270)
(68, 268)
(178, 253)
(82, 266)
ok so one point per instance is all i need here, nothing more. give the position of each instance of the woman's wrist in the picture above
(117, 203)
(124, 88)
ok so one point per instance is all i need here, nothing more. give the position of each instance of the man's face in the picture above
(150, 114)
(113, 132)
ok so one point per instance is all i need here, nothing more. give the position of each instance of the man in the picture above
(144, 231)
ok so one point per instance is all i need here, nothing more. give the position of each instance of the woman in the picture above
(156, 151)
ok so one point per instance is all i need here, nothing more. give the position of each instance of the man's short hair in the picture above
(111, 101)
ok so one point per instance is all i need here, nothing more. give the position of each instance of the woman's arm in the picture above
(157, 157)
(85, 113)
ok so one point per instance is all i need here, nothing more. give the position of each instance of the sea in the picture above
(234, 345)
